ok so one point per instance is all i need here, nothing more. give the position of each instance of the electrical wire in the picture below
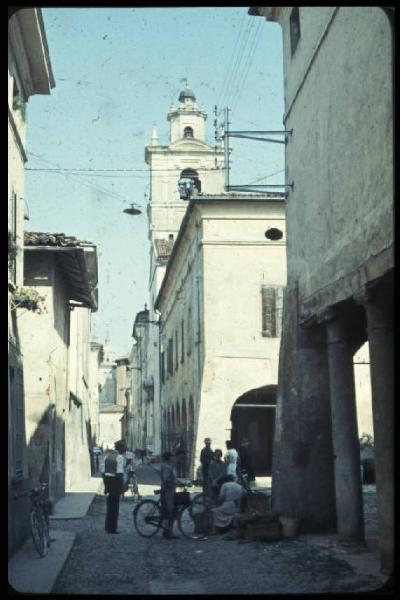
(86, 184)
(231, 61)
(248, 65)
(266, 176)
(237, 60)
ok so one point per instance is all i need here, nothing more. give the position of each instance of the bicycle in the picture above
(194, 516)
(39, 519)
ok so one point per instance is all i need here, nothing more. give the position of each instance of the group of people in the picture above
(219, 480)
(117, 467)
(214, 467)
(219, 477)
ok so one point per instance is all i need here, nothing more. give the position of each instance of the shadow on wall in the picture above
(44, 459)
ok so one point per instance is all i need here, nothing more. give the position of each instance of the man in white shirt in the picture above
(112, 468)
(231, 459)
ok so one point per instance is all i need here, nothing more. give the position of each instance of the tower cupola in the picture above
(187, 95)
(187, 119)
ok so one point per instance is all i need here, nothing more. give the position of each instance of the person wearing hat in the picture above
(206, 456)
(113, 476)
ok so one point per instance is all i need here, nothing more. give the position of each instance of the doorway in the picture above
(253, 417)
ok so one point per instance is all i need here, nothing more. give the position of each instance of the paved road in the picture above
(128, 564)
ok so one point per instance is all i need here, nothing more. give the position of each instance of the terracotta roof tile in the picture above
(35, 238)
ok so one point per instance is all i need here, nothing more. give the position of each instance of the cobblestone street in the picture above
(129, 564)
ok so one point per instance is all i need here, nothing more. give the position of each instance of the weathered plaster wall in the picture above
(224, 245)
(110, 428)
(45, 339)
(342, 142)
(77, 451)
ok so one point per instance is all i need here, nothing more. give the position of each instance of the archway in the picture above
(253, 417)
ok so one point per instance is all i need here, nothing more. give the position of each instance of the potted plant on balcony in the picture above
(28, 298)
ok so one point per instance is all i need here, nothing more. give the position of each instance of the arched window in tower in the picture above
(188, 132)
(194, 176)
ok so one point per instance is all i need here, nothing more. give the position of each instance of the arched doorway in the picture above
(253, 417)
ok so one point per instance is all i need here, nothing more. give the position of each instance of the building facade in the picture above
(29, 73)
(95, 358)
(220, 307)
(339, 104)
(188, 155)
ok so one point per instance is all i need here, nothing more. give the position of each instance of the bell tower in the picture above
(187, 153)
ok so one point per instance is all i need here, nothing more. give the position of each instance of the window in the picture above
(193, 175)
(12, 247)
(176, 350)
(189, 332)
(170, 357)
(294, 28)
(182, 341)
(18, 428)
(162, 366)
(272, 299)
(188, 132)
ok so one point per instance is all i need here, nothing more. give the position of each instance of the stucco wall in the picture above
(342, 140)
(110, 428)
(77, 451)
(44, 339)
(223, 246)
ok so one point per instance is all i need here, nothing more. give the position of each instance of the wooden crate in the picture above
(270, 532)
(259, 503)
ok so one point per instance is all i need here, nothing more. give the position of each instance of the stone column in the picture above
(302, 458)
(348, 490)
(380, 337)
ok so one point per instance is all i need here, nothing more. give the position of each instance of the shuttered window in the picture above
(18, 428)
(272, 301)
(189, 332)
(162, 365)
(182, 341)
(170, 357)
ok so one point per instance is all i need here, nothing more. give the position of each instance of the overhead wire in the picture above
(241, 63)
(237, 60)
(248, 65)
(231, 61)
(82, 183)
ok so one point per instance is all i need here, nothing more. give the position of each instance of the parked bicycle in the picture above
(194, 516)
(39, 519)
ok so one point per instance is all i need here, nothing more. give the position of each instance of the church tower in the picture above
(187, 155)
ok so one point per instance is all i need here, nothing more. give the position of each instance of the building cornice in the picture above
(17, 137)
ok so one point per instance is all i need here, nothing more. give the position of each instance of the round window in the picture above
(274, 234)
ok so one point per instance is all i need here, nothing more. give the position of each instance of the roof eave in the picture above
(76, 272)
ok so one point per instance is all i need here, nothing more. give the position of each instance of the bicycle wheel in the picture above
(147, 518)
(38, 532)
(196, 520)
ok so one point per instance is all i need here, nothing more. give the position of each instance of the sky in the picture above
(117, 72)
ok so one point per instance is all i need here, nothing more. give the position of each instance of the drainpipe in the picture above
(159, 379)
(199, 339)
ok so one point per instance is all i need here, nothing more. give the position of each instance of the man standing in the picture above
(168, 484)
(206, 456)
(231, 459)
(180, 454)
(112, 469)
(216, 471)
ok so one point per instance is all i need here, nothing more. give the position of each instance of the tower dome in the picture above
(187, 93)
